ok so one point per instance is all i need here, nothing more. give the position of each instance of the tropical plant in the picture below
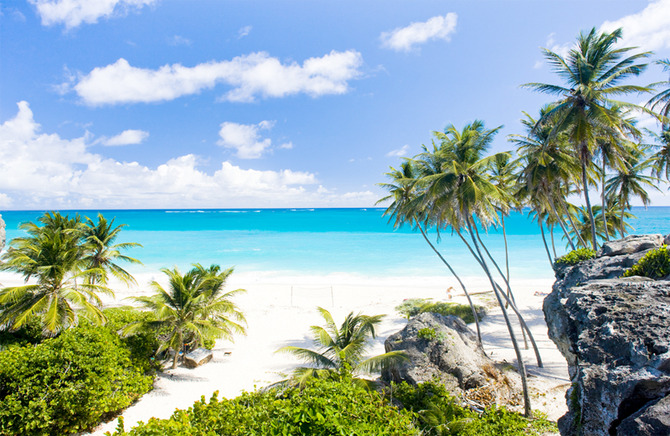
(575, 256)
(341, 351)
(415, 306)
(662, 99)
(52, 255)
(655, 264)
(593, 71)
(194, 308)
(101, 252)
(661, 159)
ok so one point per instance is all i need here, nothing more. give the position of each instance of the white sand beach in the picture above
(280, 308)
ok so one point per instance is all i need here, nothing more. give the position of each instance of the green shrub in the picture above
(574, 257)
(414, 306)
(427, 334)
(655, 264)
(142, 346)
(323, 407)
(67, 384)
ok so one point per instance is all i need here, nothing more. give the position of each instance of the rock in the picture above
(615, 336)
(630, 244)
(2, 234)
(452, 357)
(198, 357)
(666, 240)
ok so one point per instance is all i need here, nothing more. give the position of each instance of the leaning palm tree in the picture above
(661, 158)
(593, 71)
(51, 256)
(662, 99)
(192, 309)
(341, 351)
(102, 253)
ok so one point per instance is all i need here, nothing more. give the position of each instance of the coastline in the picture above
(280, 307)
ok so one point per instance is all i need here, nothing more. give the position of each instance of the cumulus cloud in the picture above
(648, 29)
(245, 138)
(44, 171)
(73, 13)
(127, 137)
(401, 152)
(252, 75)
(243, 32)
(405, 38)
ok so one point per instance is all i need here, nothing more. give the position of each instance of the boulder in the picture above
(666, 240)
(443, 349)
(2, 234)
(615, 336)
(198, 357)
(630, 244)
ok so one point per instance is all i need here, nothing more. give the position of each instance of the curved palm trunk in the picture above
(502, 220)
(572, 223)
(551, 235)
(517, 351)
(546, 247)
(604, 201)
(560, 222)
(465, 291)
(588, 206)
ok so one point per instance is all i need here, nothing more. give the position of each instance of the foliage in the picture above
(655, 264)
(194, 310)
(437, 413)
(321, 407)
(341, 351)
(426, 333)
(144, 345)
(69, 383)
(575, 256)
(412, 307)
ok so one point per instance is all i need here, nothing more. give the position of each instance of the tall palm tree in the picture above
(662, 99)
(102, 253)
(342, 350)
(661, 159)
(192, 309)
(631, 182)
(592, 71)
(51, 255)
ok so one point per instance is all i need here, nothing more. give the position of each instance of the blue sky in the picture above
(229, 104)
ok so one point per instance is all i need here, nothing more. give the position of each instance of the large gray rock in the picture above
(615, 336)
(198, 357)
(631, 244)
(452, 357)
(2, 234)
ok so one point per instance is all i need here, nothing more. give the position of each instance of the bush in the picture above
(574, 257)
(69, 383)
(414, 306)
(323, 407)
(655, 264)
(427, 334)
(143, 345)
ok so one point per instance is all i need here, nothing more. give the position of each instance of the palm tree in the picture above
(51, 255)
(102, 253)
(662, 99)
(341, 351)
(192, 309)
(631, 182)
(593, 71)
(661, 159)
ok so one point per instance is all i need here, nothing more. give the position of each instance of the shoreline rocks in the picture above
(615, 335)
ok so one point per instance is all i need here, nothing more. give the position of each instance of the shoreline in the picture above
(280, 307)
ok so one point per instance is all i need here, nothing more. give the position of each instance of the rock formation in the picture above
(444, 349)
(615, 335)
(197, 357)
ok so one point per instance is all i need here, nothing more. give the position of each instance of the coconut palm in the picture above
(593, 71)
(341, 351)
(192, 309)
(662, 99)
(51, 255)
(661, 159)
(102, 253)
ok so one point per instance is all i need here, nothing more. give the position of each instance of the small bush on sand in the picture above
(414, 306)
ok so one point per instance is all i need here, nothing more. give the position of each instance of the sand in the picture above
(280, 308)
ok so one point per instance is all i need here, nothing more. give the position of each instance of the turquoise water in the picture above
(320, 241)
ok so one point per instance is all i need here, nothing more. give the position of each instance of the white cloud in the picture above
(405, 38)
(127, 137)
(245, 138)
(45, 171)
(179, 40)
(73, 13)
(401, 152)
(243, 32)
(256, 74)
(648, 29)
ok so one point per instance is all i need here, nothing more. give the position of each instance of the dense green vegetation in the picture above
(69, 383)
(655, 264)
(575, 256)
(414, 306)
(340, 407)
(341, 350)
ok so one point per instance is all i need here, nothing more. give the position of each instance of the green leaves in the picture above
(655, 264)
(575, 256)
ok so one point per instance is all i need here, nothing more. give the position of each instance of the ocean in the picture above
(321, 241)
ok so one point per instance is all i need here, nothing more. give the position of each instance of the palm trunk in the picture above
(553, 244)
(604, 201)
(465, 291)
(623, 225)
(551, 262)
(517, 351)
(560, 222)
(502, 220)
(572, 223)
(588, 206)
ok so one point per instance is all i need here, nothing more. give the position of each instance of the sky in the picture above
(115, 104)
